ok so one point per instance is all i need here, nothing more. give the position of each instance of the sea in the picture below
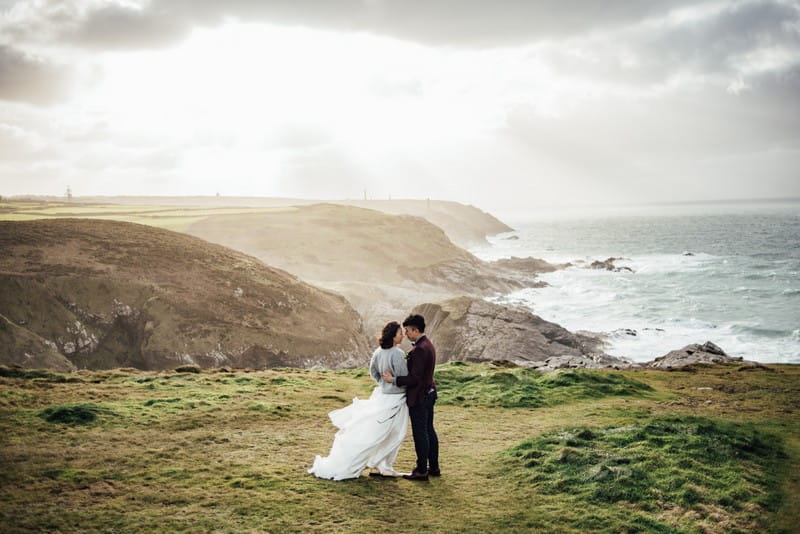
(728, 273)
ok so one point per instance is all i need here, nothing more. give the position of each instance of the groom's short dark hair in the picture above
(417, 321)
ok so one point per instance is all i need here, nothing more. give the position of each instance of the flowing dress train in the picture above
(370, 434)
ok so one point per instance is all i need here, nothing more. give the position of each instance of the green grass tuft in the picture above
(188, 369)
(78, 414)
(669, 463)
(479, 385)
(30, 374)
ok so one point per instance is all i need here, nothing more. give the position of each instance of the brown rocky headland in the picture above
(102, 294)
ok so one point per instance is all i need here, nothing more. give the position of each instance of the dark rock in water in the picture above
(472, 329)
(688, 254)
(695, 353)
(608, 265)
(624, 332)
(511, 238)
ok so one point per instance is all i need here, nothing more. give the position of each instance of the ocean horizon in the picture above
(725, 272)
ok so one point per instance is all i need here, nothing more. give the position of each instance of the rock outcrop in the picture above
(103, 294)
(695, 353)
(471, 329)
(608, 265)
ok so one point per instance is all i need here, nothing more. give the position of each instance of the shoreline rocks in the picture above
(472, 329)
(608, 265)
(707, 353)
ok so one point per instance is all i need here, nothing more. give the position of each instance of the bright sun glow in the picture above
(239, 100)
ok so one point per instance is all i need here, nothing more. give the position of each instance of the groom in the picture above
(420, 396)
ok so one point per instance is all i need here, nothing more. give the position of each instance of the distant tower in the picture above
(365, 194)
(69, 194)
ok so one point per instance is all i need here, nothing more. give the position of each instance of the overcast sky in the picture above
(498, 104)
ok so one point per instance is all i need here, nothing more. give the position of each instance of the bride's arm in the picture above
(373, 369)
(399, 366)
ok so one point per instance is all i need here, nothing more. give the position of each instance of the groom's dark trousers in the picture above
(421, 396)
(426, 442)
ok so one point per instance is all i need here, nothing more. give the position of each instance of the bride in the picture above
(370, 431)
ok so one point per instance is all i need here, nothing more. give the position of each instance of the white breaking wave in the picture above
(742, 296)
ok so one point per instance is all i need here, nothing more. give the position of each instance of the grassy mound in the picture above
(481, 385)
(77, 414)
(29, 374)
(188, 369)
(678, 468)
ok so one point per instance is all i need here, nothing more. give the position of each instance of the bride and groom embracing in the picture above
(372, 430)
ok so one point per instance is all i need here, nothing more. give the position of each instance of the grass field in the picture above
(710, 449)
(178, 219)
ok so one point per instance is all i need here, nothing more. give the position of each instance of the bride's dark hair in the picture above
(387, 336)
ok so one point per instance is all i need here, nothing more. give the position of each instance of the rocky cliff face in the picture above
(103, 294)
(472, 329)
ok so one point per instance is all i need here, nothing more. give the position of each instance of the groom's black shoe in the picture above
(417, 476)
(434, 473)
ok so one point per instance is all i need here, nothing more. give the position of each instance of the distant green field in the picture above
(174, 218)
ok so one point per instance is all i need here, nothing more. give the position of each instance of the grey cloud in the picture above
(472, 23)
(707, 50)
(31, 79)
(703, 143)
(119, 27)
(714, 43)
(448, 22)
(18, 145)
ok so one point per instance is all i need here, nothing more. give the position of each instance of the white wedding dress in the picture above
(372, 430)
(370, 434)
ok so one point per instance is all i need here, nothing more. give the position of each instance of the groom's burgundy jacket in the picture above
(421, 361)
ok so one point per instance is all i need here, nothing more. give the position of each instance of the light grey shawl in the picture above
(392, 360)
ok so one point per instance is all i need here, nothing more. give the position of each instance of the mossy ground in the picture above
(484, 385)
(228, 452)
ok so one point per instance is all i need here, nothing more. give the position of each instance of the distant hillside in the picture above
(102, 294)
(384, 264)
(464, 225)
(329, 242)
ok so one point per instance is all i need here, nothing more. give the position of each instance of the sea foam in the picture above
(695, 279)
